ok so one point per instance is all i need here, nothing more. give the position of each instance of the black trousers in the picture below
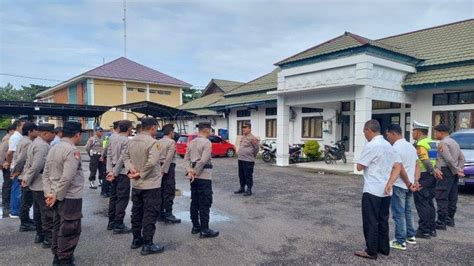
(446, 196)
(67, 216)
(201, 202)
(246, 174)
(119, 197)
(96, 165)
(6, 188)
(375, 213)
(26, 204)
(42, 215)
(425, 205)
(145, 211)
(168, 189)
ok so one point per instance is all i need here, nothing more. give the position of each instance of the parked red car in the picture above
(220, 147)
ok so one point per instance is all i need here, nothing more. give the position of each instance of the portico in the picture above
(357, 80)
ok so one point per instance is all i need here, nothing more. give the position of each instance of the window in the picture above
(407, 126)
(141, 90)
(130, 89)
(163, 92)
(153, 91)
(271, 128)
(346, 106)
(454, 119)
(243, 113)
(312, 127)
(271, 111)
(453, 98)
(215, 139)
(239, 126)
(306, 110)
(385, 105)
(465, 140)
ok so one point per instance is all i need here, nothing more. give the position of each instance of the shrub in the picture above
(311, 149)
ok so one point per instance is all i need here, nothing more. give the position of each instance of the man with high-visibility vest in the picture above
(424, 197)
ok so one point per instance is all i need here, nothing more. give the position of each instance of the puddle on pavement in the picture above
(215, 217)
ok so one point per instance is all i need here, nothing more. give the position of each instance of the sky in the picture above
(194, 41)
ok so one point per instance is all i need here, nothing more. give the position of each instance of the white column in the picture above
(124, 97)
(363, 113)
(148, 92)
(283, 134)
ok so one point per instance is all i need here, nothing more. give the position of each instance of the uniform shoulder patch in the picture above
(158, 145)
(77, 155)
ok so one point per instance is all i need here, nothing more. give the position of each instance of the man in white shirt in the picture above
(57, 138)
(402, 198)
(10, 164)
(379, 162)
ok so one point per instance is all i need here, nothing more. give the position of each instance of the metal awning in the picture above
(155, 109)
(51, 109)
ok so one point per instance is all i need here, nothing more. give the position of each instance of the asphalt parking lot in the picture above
(295, 217)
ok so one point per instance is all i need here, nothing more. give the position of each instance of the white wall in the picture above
(218, 122)
(257, 119)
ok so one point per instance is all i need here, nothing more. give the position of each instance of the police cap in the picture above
(46, 127)
(72, 127)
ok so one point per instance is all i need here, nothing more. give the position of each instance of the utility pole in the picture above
(125, 28)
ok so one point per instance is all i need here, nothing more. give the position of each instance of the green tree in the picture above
(26, 93)
(190, 94)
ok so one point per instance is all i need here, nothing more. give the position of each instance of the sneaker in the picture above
(394, 244)
(14, 216)
(411, 240)
(92, 185)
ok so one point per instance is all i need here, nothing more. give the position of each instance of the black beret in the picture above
(203, 125)
(442, 128)
(72, 127)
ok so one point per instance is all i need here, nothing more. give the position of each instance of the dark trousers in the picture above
(96, 165)
(246, 174)
(425, 205)
(42, 215)
(145, 211)
(26, 204)
(6, 188)
(446, 196)
(168, 189)
(201, 202)
(119, 197)
(67, 216)
(105, 188)
(375, 213)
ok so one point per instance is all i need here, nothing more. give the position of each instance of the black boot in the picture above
(440, 226)
(122, 229)
(208, 233)
(420, 234)
(137, 243)
(55, 260)
(151, 248)
(248, 192)
(433, 233)
(26, 227)
(240, 191)
(46, 243)
(39, 239)
(171, 219)
(68, 262)
(161, 216)
(195, 230)
(110, 226)
(450, 222)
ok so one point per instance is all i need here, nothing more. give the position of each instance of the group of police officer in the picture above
(52, 176)
(441, 166)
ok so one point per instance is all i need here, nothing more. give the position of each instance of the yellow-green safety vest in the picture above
(432, 149)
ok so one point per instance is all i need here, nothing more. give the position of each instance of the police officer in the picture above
(94, 149)
(7, 182)
(199, 170)
(30, 132)
(63, 185)
(168, 181)
(449, 167)
(32, 179)
(106, 186)
(427, 151)
(141, 160)
(248, 150)
(119, 181)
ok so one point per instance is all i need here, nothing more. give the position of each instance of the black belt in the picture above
(206, 166)
(161, 164)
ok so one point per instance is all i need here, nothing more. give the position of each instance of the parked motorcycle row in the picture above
(331, 153)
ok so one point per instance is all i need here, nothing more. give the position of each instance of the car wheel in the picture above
(230, 153)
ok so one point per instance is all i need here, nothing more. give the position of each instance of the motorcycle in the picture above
(336, 152)
(269, 151)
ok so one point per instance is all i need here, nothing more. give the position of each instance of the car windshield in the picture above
(465, 140)
(183, 139)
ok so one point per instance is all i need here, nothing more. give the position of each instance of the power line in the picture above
(27, 77)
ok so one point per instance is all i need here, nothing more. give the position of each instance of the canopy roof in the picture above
(155, 110)
(51, 109)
